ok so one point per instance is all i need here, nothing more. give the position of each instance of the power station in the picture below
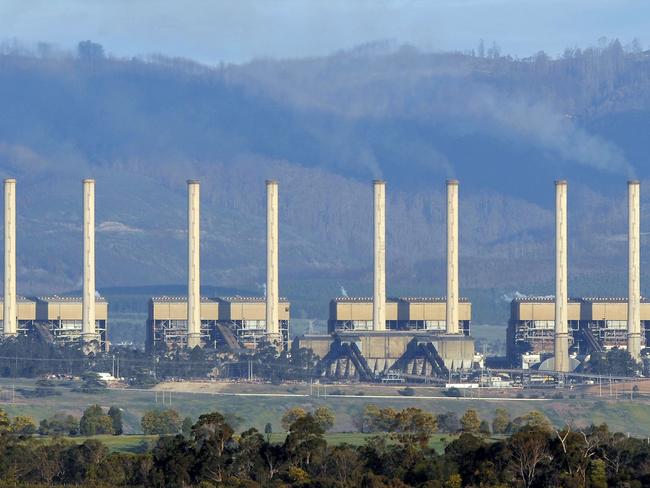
(58, 319)
(553, 333)
(232, 322)
(367, 338)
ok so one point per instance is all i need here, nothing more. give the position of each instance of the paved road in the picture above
(357, 397)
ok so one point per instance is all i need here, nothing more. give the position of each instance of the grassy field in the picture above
(256, 410)
(117, 443)
(138, 442)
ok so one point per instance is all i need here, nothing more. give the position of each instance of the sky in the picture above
(235, 31)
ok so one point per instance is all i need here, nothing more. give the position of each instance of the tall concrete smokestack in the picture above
(272, 250)
(561, 278)
(634, 271)
(9, 305)
(379, 297)
(452, 257)
(88, 327)
(193, 264)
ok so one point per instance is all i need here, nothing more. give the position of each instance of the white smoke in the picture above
(343, 291)
(551, 130)
(508, 297)
(263, 287)
(116, 227)
(367, 160)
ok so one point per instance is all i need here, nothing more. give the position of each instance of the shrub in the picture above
(94, 422)
(161, 422)
(452, 392)
(59, 424)
(470, 422)
(22, 425)
(448, 422)
(291, 415)
(325, 418)
(484, 428)
(38, 392)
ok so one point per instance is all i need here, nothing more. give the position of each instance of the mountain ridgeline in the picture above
(325, 127)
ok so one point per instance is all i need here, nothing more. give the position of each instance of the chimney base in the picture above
(634, 345)
(561, 359)
(274, 339)
(90, 343)
(193, 340)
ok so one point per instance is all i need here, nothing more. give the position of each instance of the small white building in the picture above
(106, 377)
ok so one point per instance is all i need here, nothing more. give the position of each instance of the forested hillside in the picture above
(325, 127)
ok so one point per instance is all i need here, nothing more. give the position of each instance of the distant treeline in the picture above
(27, 356)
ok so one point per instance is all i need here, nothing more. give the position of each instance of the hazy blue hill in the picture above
(325, 127)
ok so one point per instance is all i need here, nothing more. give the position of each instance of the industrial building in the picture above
(405, 313)
(594, 324)
(370, 338)
(231, 322)
(25, 317)
(59, 319)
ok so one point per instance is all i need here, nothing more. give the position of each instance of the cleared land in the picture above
(116, 443)
(141, 442)
(258, 403)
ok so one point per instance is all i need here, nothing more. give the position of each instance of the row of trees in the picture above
(18, 359)
(209, 454)
(94, 421)
(98, 421)
(615, 362)
(373, 419)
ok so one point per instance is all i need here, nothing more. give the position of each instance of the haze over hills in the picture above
(325, 127)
